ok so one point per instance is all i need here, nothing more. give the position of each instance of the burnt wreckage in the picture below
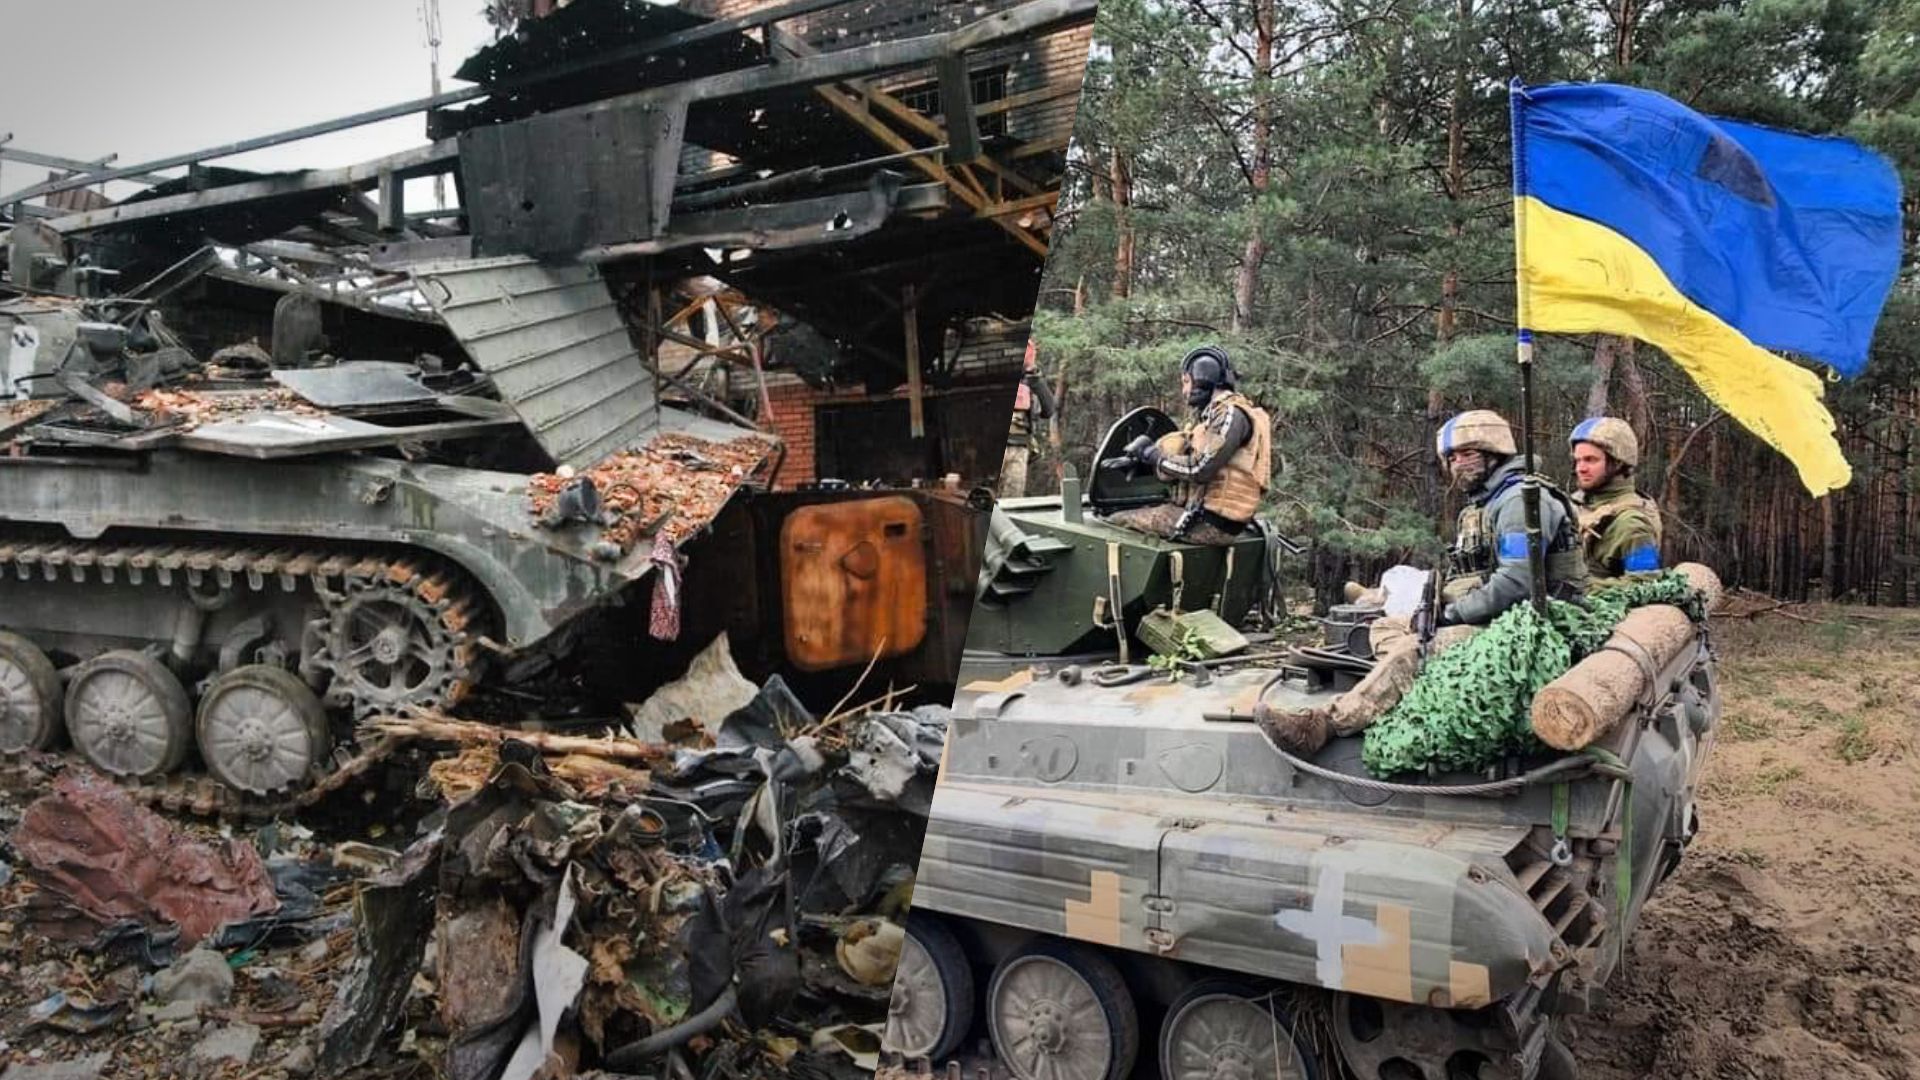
(280, 457)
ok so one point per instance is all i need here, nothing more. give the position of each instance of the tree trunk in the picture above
(1121, 178)
(1670, 490)
(1246, 283)
(1829, 547)
(1435, 495)
(1455, 179)
(1626, 15)
(1638, 411)
(1902, 508)
(1057, 424)
(1604, 353)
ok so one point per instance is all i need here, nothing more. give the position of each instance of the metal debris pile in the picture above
(716, 890)
(189, 408)
(139, 947)
(112, 374)
(674, 485)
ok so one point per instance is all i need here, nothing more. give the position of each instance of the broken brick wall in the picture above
(966, 417)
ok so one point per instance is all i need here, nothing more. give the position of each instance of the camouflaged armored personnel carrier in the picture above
(1122, 876)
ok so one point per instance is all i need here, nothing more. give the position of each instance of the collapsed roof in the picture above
(836, 159)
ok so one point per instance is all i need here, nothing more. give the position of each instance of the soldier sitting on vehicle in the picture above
(1221, 466)
(1488, 574)
(1489, 554)
(1619, 527)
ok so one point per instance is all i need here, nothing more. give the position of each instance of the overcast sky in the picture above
(151, 78)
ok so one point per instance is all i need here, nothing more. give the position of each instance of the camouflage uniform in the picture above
(1488, 574)
(1013, 464)
(1163, 520)
(1489, 555)
(1619, 527)
(1619, 530)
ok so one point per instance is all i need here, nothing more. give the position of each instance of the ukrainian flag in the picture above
(1718, 242)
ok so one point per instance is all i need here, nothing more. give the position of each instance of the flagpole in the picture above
(1523, 349)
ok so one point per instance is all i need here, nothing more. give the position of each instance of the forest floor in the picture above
(1787, 945)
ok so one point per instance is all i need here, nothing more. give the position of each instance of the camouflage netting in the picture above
(1469, 706)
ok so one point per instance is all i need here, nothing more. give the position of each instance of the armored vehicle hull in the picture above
(1109, 849)
(231, 572)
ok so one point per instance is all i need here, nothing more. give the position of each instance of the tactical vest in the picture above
(1236, 490)
(1477, 553)
(1595, 519)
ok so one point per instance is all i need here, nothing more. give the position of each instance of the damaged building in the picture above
(624, 513)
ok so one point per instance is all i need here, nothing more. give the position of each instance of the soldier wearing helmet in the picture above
(1221, 466)
(1489, 572)
(1619, 527)
(1489, 555)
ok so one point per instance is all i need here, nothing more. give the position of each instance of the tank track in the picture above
(334, 575)
(28, 776)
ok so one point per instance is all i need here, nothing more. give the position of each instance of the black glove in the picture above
(1131, 455)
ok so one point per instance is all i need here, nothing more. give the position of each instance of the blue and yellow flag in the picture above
(1713, 240)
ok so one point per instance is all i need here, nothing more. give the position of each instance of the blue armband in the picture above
(1643, 559)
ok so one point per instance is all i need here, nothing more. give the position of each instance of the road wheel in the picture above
(261, 729)
(1060, 1011)
(932, 1006)
(128, 715)
(29, 696)
(1223, 1029)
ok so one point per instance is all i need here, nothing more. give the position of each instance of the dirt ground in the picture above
(1787, 945)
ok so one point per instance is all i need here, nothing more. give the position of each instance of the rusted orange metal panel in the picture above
(854, 578)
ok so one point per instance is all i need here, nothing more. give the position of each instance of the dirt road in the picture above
(1788, 945)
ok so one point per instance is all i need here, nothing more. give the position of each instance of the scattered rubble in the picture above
(91, 1067)
(673, 486)
(723, 897)
(101, 859)
(235, 1043)
(201, 977)
(189, 408)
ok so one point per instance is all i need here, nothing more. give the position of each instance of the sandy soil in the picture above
(1788, 944)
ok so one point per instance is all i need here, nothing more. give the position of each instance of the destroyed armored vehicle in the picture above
(237, 568)
(277, 459)
(1121, 868)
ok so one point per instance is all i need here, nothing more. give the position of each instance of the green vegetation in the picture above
(1324, 188)
(1769, 780)
(1855, 743)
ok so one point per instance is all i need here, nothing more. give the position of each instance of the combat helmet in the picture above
(1611, 434)
(1210, 369)
(1478, 429)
